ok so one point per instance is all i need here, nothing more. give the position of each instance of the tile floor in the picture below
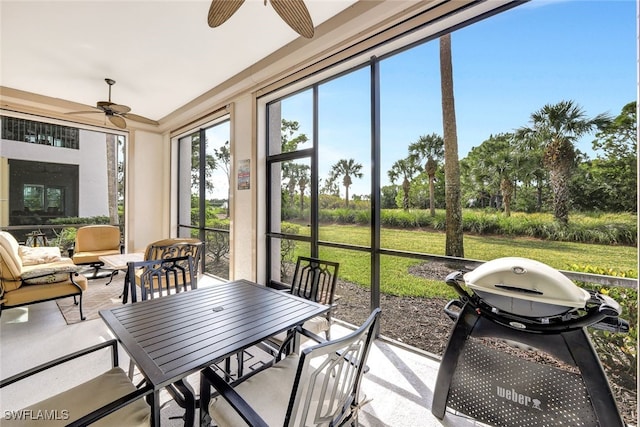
(400, 382)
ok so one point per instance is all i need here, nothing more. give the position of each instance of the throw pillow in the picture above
(38, 255)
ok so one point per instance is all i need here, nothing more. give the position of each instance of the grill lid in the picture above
(528, 280)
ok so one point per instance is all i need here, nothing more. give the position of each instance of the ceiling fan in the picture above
(116, 113)
(293, 12)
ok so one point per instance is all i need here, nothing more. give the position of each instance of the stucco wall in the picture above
(92, 158)
(243, 205)
(148, 190)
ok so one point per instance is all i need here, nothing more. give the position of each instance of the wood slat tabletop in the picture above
(172, 337)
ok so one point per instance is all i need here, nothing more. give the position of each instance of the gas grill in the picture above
(530, 306)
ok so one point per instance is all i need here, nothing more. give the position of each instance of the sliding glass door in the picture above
(203, 194)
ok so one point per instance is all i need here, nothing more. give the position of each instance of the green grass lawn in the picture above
(355, 266)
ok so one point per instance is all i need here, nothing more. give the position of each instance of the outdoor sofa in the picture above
(30, 275)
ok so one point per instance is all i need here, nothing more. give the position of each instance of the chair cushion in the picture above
(48, 273)
(74, 403)
(96, 238)
(316, 325)
(94, 241)
(32, 293)
(271, 406)
(91, 257)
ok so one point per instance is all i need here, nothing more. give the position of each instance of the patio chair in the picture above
(175, 247)
(164, 276)
(92, 242)
(110, 399)
(321, 386)
(313, 279)
(168, 248)
(159, 278)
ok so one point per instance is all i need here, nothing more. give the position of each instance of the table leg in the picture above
(113, 273)
(296, 344)
(154, 402)
(205, 398)
(125, 289)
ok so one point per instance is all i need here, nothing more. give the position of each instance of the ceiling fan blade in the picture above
(118, 121)
(120, 109)
(296, 15)
(221, 10)
(140, 119)
(85, 112)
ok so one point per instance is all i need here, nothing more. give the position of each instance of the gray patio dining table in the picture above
(175, 336)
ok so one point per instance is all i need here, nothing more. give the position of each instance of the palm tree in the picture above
(430, 147)
(531, 170)
(454, 243)
(347, 169)
(500, 161)
(556, 128)
(504, 165)
(298, 175)
(406, 168)
(112, 179)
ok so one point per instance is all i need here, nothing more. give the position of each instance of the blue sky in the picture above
(505, 68)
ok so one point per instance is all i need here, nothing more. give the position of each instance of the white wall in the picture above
(243, 202)
(148, 190)
(92, 176)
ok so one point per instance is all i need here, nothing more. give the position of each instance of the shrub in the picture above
(608, 229)
(618, 352)
(218, 241)
(65, 239)
(287, 248)
(81, 220)
(480, 222)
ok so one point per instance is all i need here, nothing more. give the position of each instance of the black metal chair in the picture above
(170, 248)
(109, 398)
(159, 278)
(313, 279)
(321, 386)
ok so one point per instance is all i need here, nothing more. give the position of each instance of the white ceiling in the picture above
(161, 53)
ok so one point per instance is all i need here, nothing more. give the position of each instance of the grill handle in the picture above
(453, 280)
(453, 314)
(608, 305)
(612, 324)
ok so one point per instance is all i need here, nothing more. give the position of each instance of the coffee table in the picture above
(119, 262)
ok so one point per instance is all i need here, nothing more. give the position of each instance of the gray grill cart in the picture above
(521, 303)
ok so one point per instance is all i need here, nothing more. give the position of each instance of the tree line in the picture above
(532, 169)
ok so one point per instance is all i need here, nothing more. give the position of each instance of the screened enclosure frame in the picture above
(359, 60)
